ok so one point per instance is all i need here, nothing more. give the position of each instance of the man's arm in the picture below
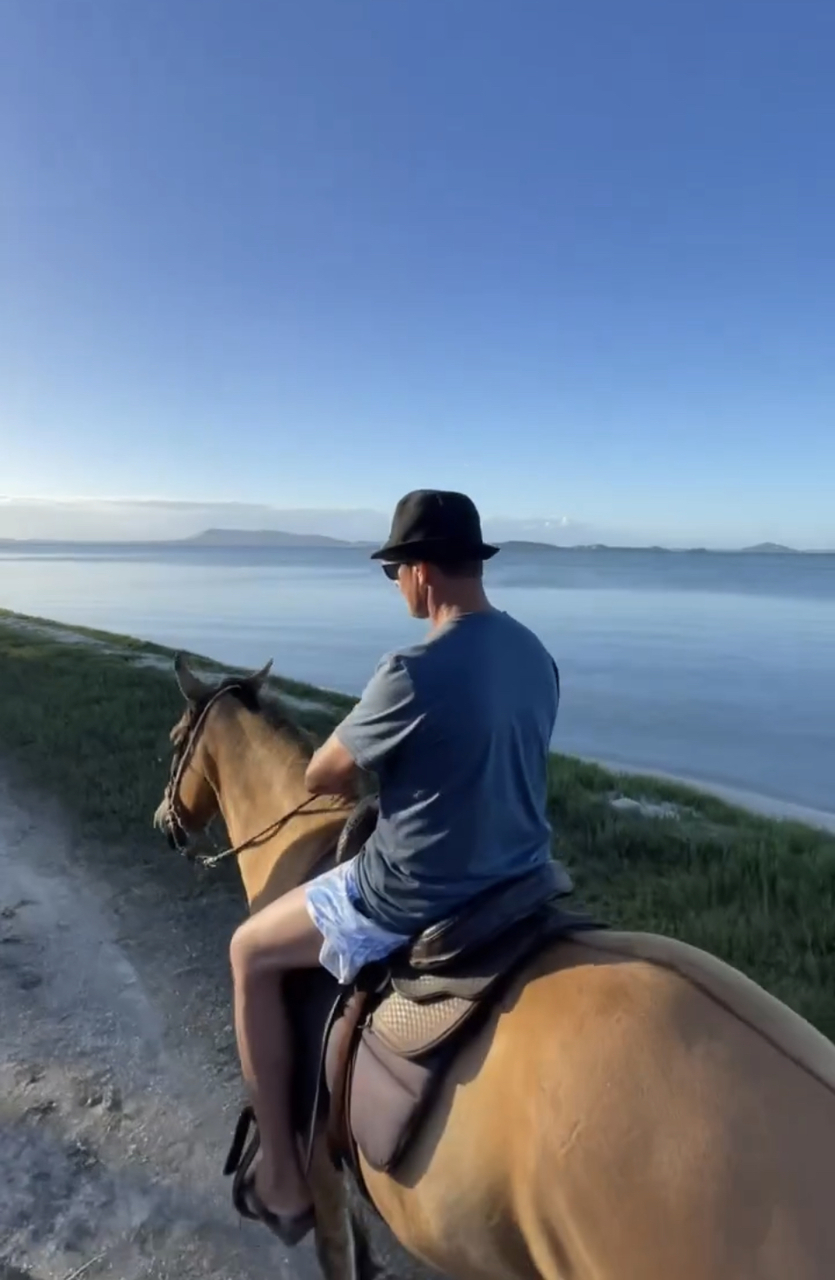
(373, 729)
(332, 771)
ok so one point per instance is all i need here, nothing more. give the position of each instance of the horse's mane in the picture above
(271, 708)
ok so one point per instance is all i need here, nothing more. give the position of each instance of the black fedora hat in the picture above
(435, 525)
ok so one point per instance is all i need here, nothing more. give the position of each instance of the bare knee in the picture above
(248, 953)
(279, 937)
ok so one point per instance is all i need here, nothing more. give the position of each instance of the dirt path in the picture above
(115, 1108)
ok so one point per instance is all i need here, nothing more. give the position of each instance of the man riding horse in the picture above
(457, 729)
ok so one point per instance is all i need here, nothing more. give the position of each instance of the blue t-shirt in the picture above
(458, 730)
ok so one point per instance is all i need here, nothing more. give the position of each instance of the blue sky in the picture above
(577, 260)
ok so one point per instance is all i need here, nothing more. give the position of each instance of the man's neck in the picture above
(469, 599)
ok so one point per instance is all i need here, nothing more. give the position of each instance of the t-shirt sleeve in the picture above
(385, 715)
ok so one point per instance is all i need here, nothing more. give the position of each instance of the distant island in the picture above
(254, 538)
(761, 549)
(281, 538)
(770, 549)
(520, 544)
(262, 538)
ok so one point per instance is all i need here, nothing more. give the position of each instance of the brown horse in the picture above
(631, 1109)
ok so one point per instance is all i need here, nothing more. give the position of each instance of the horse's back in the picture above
(632, 1108)
(743, 998)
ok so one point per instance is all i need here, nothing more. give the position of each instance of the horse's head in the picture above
(190, 800)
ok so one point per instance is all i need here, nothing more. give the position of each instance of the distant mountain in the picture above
(762, 548)
(262, 538)
(222, 536)
(770, 549)
(522, 544)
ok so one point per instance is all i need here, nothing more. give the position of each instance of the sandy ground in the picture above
(119, 1085)
(112, 1120)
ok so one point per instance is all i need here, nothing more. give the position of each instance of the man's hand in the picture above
(332, 771)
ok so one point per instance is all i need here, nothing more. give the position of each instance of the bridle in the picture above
(170, 815)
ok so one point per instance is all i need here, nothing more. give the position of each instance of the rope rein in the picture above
(212, 859)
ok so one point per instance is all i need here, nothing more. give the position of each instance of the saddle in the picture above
(371, 1057)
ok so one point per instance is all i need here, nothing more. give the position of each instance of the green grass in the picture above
(88, 723)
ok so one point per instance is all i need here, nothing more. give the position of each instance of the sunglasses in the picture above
(391, 571)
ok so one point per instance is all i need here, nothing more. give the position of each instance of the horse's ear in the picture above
(191, 686)
(258, 677)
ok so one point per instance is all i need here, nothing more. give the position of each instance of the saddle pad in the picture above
(413, 1029)
(389, 1096)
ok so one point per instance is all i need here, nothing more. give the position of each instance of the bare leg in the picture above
(278, 938)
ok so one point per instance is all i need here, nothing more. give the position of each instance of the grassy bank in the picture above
(85, 716)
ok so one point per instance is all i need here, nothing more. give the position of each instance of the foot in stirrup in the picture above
(290, 1228)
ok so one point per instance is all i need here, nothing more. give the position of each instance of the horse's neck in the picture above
(259, 777)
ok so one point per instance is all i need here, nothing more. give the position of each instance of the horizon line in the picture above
(362, 542)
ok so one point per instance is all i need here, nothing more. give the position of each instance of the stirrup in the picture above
(245, 1198)
(240, 1157)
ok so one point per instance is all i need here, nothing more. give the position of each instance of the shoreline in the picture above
(773, 807)
(317, 701)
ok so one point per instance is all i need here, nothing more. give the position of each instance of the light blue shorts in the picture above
(351, 939)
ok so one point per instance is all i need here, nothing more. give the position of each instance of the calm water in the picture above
(717, 668)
